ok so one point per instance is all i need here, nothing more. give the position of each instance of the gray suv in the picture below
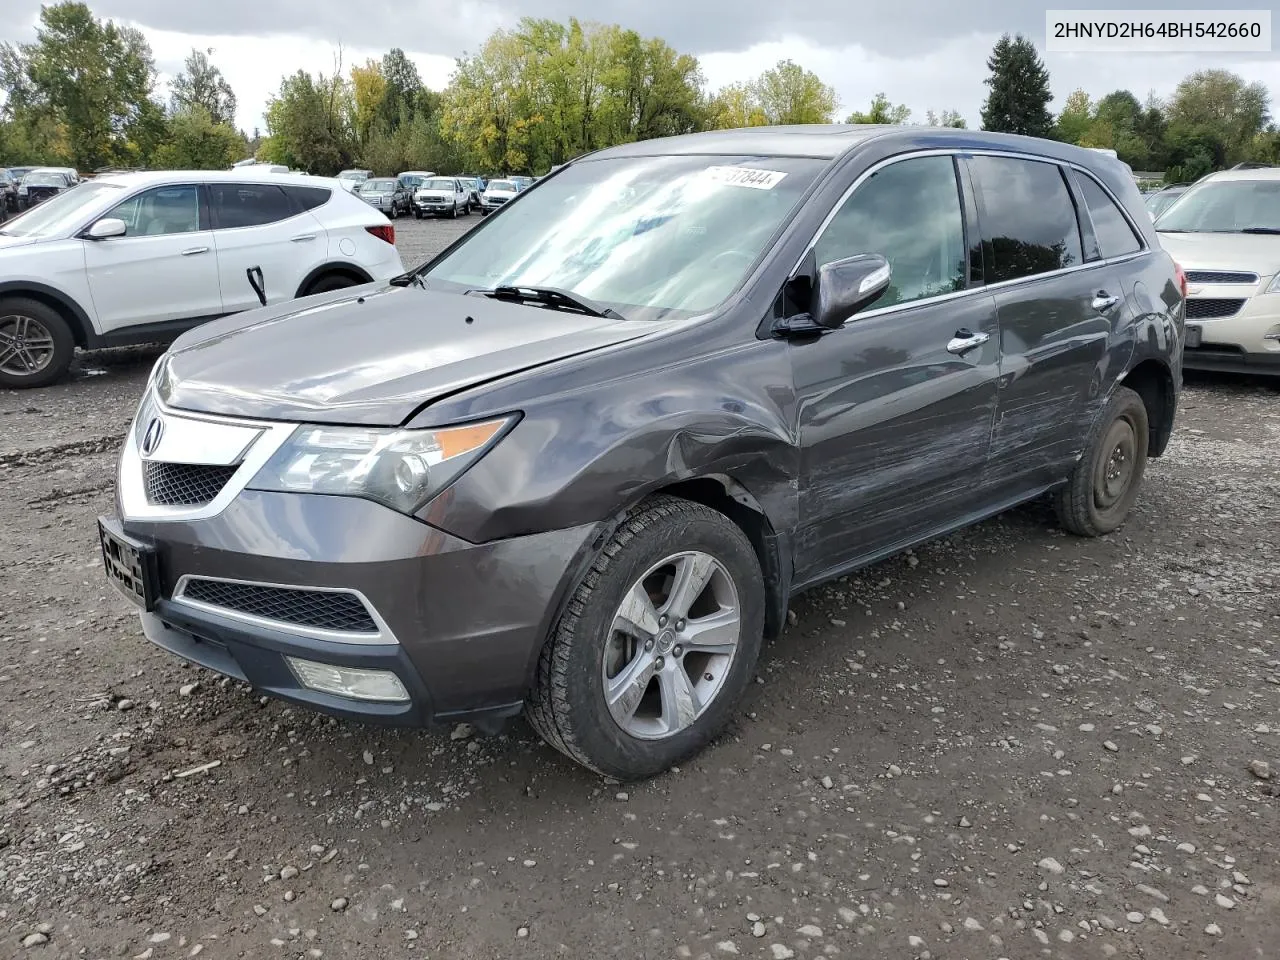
(578, 464)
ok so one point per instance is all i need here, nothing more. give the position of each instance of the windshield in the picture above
(45, 180)
(501, 185)
(59, 213)
(373, 186)
(647, 236)
(438, 184)
(1224, 206)
(353, 175)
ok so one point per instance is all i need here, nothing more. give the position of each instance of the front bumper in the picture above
(1238, 328)
(434, 206)
(459, 624)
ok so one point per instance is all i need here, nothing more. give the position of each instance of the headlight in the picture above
(401, 469)
(1274, 286)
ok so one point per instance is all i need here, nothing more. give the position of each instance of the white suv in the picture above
(1225, 234)
(141, 257)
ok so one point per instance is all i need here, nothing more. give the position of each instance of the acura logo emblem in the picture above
(151, 439)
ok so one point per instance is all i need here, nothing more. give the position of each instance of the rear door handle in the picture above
(303, 237)
(965, 340)
(1104, 301)
(192, 251)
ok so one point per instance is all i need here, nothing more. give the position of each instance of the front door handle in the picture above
(965, 340)
(192, 251)
(302, 237)
(1104, 301)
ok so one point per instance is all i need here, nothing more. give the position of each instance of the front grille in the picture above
(321, 609)
(1220, 276)
(184, 484)
(1208, 309)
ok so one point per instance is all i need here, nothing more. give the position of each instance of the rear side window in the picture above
(248, 204)
(1115, 237)
(308, 198)
(1029, 223)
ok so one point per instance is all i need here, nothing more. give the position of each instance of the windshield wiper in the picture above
(553, 297)
(1261, 230)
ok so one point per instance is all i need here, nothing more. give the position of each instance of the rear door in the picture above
(163, 269)
(1057, 312)
(896, 407)
(260, 225)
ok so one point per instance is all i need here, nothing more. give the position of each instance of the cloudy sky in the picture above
(929, 54)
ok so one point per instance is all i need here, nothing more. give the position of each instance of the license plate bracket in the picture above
(1193, 335)
(130, 565)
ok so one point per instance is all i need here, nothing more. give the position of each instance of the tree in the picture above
(1220, 103)
(788, 93)
(197, 141)
(202, 85)
(94, 79)
(882, 111)
(735, 106)
(948, 118)
(305, 126)
(403, 85)
(368, 93)
(1019, 97)
(1075, 119)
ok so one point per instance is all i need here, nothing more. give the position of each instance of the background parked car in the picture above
(411, 180)
(142, 257)
(1225, 232)
(522, 183)
(474, 187)
(349, 180)
(41, 184)
(8, 192)
(496, 193)
(386, 194)
(441, 196)
(1162, 200)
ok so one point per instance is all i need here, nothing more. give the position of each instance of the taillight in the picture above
(385, 231)
(1182, 279)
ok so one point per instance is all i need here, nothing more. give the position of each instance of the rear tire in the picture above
(680, 660)
(1106, 479)
(332, 281)
(36, 344)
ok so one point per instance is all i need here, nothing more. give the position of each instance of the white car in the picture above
(349, 180)
(441, 196)
(141, 257)
(496, 193)
(1224, 232)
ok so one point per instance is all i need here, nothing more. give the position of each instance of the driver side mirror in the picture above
(106, 228)
(844, 287)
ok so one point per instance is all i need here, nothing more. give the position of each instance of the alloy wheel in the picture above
(26, 345)
(671, 645)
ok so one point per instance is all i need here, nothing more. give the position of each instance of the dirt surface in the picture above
(1009, 743)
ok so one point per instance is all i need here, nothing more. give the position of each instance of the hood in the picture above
(1255, 252)
(442, 194)
(371, 359)
(505, 194)
(9, 243)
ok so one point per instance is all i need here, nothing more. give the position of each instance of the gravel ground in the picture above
(1008, 743)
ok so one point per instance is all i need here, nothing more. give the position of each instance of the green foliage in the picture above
(948, 118)
(202, 85)
(882, 111)
(791, 94)
(1019, 97)
(197, 142)
(1076, 118)
(307, 123)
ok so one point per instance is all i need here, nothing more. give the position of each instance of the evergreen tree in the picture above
(1019, 82)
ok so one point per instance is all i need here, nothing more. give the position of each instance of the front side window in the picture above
(1225, 206)
(908, 212)
(247, 204)
(650, 237)
(160, 211)
(1029, 224)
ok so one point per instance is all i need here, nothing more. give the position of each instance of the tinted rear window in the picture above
(1115, 237)
(247, 204)
(308, 198)
(1029, 223)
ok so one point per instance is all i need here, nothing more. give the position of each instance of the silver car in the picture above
(387, 194)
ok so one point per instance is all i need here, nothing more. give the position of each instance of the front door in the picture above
(163, 269)
(895, 409)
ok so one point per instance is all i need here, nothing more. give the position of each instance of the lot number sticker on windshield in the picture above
(745, 177)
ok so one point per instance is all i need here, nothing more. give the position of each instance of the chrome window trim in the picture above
(971, 291)
(384, 635)
(130, 481)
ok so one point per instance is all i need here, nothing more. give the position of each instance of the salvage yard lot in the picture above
(1010, 743)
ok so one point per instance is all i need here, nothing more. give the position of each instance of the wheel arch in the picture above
(1152, 380)
(333, 268)
(75, 315)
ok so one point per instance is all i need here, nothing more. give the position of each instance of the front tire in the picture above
(1108, 476)
(657, 644)
(36, 344)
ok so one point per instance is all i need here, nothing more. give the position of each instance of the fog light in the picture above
(354, 683)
